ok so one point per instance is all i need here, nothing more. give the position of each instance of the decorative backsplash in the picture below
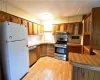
(34, 38)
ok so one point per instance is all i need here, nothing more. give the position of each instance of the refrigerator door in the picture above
(13, 31)
(18, 59)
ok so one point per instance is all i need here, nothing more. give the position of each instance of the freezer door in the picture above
(18, 56)
(15, 31)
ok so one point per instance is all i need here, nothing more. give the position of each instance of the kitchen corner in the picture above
(39, 48)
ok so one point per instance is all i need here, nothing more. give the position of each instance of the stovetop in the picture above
(61, 42)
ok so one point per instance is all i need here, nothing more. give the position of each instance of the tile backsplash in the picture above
(34, 38)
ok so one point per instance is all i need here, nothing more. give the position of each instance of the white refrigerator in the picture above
(14, 50)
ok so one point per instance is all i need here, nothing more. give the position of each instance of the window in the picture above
(48, 36)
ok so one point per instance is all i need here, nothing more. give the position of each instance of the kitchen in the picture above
(82, 39)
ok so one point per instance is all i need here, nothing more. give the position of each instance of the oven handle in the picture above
(61, 46)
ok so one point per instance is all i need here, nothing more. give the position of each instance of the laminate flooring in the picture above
(48, 68)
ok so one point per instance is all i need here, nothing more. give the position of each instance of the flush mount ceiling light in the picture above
(46, 16)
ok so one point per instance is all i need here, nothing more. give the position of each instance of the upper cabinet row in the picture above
(72, 28)
(33, 28)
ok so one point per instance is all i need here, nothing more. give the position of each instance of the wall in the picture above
(69, 19)
(16, 11)
(48, 24)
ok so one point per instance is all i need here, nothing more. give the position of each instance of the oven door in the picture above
(61, 50)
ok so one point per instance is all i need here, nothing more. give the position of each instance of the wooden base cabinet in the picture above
(75, 49)
(38, 53)
(85, 74)
(50, 50)
(32, 56)
(44, 49)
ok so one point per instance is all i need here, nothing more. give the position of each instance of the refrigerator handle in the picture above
(26, 45)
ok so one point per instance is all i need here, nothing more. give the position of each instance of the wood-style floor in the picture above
(47, 68)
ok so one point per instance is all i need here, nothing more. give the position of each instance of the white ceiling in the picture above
(58, 8)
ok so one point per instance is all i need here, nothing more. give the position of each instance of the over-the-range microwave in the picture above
(75, 39)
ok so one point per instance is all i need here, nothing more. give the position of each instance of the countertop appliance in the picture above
(61, 45)
(14, 50)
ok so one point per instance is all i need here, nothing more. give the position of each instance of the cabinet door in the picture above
(30, 28)
(39, 29)
(38, 51)
(62, 27)
(16, 19)
(25, 22)
(70, 28)
(35, 28)
(57, 27)
(4, 17)
(53, 29)
(50, 50)
(65, 28)
(44, 50)
(32, 56)
(80, 28)
(75, 49)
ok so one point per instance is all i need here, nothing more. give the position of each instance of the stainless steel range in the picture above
(61, 45)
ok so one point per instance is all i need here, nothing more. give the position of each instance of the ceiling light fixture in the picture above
(46, 16)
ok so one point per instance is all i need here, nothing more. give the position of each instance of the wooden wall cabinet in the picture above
(92, 30)
(57, 27)
(16, 19)
(39, 28)
(88, 25)
(4, 16)
(72, 28)
(30, 28)
(62, 28)
(25, 22)
(53, 29)
(95, 30)
(35, 26)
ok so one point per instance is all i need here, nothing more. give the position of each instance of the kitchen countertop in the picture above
(39, 42)
(73, 44)
(48, 42)
(86, 61)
